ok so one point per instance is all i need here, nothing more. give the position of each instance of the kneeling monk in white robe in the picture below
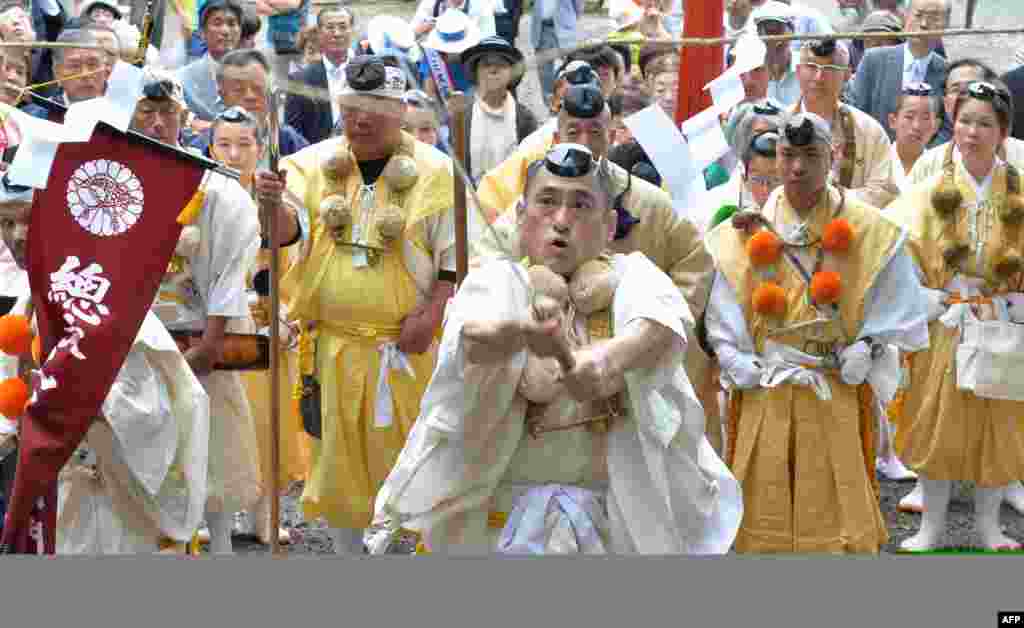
(513, 453)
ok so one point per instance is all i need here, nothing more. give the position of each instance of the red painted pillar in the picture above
(698, 65)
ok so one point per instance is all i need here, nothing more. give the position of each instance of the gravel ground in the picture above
(997, 50)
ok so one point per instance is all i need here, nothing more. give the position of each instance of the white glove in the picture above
(855, 363)
(936, 300)
(742, 369)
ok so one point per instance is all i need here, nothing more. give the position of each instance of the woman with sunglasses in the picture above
(238, 140)
(963, 418)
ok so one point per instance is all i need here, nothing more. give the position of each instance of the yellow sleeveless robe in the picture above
(944, 433)
(806, 465)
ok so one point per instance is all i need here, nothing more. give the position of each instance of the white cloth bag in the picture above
(990, 359)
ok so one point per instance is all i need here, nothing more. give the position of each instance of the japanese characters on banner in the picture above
(102, 234)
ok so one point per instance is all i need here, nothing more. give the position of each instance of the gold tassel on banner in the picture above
(189, 214)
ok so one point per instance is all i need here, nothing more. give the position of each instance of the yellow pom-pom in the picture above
(15, 334)
(946, 199)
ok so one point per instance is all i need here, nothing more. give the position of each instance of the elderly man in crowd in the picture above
(552, 460)
(243, 77)
(70, 62)
(798, 324)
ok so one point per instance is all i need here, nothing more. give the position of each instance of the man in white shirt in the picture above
(315, 119)
(775, 19)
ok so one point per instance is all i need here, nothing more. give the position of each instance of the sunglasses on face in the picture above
(11, 188)
(766, 109)
(765, 143)
(985, 91)
(569, 162)
(918, 89)
(236, 115)
(159, 90)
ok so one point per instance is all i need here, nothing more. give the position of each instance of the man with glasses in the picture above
(243, 78)
(204, 289)
(760, 175)
(862, 162)
(564, 467)
(647, 222)
(316, 118)
(808, 292)
(884, 71)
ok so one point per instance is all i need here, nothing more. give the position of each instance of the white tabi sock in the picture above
(935, 495)
(987, 502)
(346, 541)
(220, 525)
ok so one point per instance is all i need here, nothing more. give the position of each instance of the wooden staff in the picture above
(457, 108)
(276, 103)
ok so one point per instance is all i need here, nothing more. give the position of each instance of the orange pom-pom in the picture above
(37, 350)
(838, 236)
(14, 395)
(764, 248)
(826, 286)
(769, 298)
(15, 334)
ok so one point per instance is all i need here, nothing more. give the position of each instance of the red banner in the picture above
(699, 65)
(101, 237)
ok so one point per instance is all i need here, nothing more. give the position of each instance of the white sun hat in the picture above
(453, 33)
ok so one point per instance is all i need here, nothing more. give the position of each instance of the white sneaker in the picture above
(914, 501)
(894, 469)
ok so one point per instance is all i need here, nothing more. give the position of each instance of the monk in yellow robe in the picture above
(374, 273)
(962, 416)
(809, 295)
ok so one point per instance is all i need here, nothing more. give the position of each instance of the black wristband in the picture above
(446, 275)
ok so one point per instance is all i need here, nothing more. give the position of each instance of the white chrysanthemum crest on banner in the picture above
(105, 197)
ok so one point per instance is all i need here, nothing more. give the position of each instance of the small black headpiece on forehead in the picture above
(366, 73)
(823, 48)
(583, 101)
(569, 160)
(800, 131)
(580, 73)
